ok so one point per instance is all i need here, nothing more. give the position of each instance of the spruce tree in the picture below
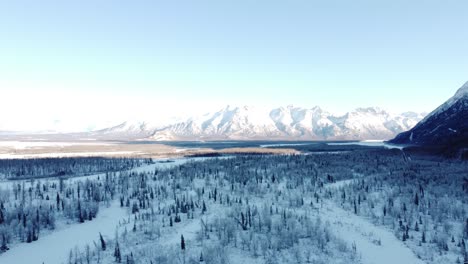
(117, 254)
(103, 242)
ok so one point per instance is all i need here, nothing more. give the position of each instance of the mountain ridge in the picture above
(281, 123)
(445, 128)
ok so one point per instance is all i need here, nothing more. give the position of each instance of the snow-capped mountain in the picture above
(128, 129)
(445, 126)
(285, 123)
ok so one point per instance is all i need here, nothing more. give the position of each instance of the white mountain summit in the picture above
(284, 123)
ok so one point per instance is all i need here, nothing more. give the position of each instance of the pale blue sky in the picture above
(399, 55)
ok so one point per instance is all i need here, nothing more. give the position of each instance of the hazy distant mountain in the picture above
(447, 126)
(129, 130)
(291, 123)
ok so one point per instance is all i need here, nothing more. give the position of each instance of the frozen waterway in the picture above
(286, 145)
(366, 237)
(54, 248)
(374, 244)
(368, 143)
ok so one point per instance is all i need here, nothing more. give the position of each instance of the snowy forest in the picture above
(47, 167)
(336, 207)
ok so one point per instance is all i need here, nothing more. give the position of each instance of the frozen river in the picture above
(54, 248)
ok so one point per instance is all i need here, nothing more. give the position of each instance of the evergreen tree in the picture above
(182, 242)
(117, 254)
(103, 242)
(4, 246)
(203, 207)
(465, 230)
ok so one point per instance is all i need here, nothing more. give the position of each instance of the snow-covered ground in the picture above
(169, 163)
(54, 248)
(67, 154)
(19, 145)
(375, 245)
(160, 164)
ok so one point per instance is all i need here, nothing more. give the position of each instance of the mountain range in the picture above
(283, 123)
(444, 128)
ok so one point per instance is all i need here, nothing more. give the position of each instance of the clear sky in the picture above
(90, 63)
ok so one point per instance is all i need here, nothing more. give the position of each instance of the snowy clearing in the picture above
(36, 144)
(55, 247)
(366, 237)
(67, 154)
